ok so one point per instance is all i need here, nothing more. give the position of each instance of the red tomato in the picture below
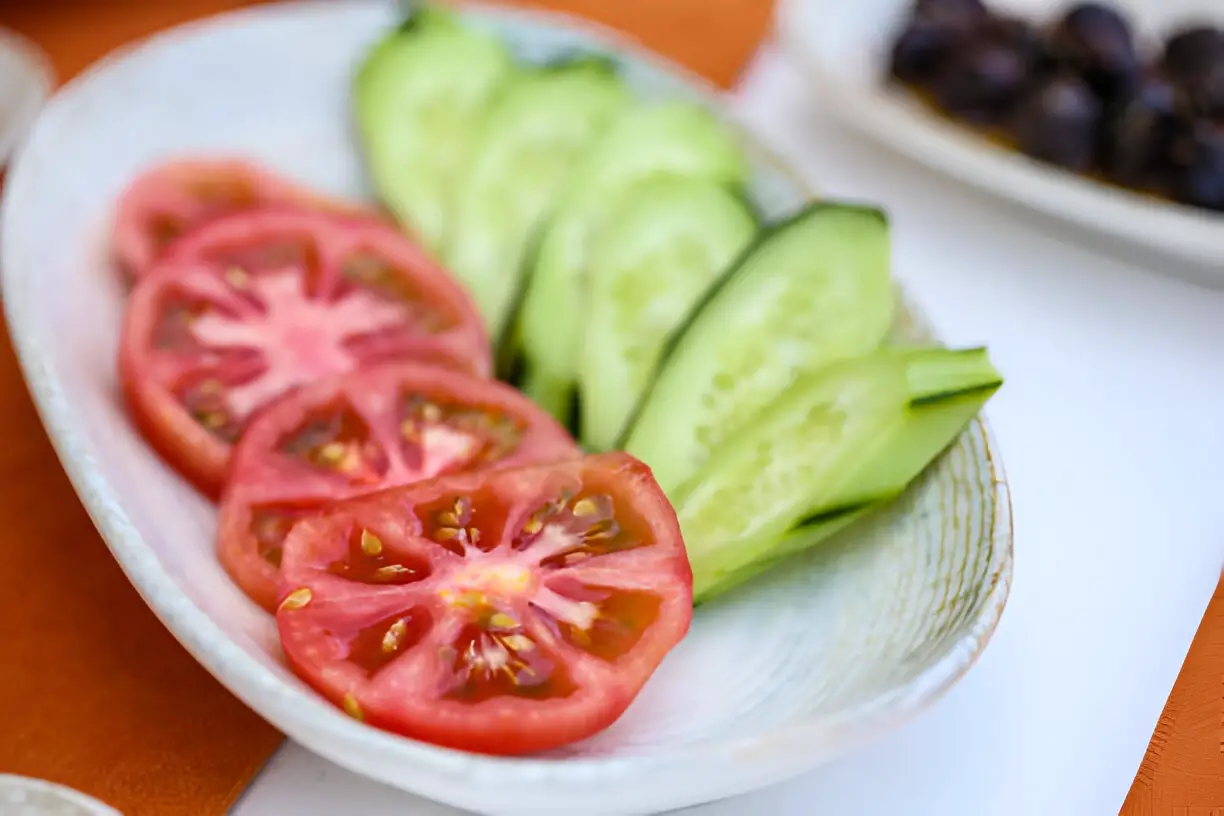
(502, 611)
(374, 428)
(253, 305)
(169, 200)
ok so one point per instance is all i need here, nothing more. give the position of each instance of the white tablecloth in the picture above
(1112, 430)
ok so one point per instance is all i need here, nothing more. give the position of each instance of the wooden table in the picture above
(1183, 773)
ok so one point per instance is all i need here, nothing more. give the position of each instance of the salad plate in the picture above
(843, 49)
(784, 673)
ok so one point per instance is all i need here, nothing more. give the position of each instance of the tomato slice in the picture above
(378, 427)
(253, 305)
(503, 611)
(171, 199)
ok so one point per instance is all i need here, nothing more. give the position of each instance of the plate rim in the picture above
(968, 159)
(282, 704)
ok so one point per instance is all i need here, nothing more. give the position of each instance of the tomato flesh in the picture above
(254, 305)
(382, 426)
(169, 200)
(541, 599)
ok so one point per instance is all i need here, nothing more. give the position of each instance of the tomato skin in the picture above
(202, 456)
(260, 473)
(176, 190)
(409, 695)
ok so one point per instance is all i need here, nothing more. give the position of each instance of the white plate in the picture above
(25, 82)
(843, 47)
(793, 670)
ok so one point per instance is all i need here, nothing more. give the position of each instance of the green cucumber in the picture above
(417, 96)
(839, 443)
(812, 290)
(527, 145)
(650, 263)
(667, 138)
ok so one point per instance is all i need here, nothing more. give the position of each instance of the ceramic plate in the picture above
(844, 46)
(25, 82)
(786, 673)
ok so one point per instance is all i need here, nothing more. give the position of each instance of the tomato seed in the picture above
(296, 599)
(371, 544)
(353, 708)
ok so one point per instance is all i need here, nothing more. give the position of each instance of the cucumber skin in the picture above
(933, 423)
(371, 86)
(550, 316)
(721, 283)
(638, 203)
(667, 357)
(602, 100)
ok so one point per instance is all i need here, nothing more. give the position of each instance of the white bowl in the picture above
(789, 672)
(843, 48)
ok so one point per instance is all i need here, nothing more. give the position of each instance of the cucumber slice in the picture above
(676, 138)
(417, 96)
(840, 442)
(649, 265)
(812, 290)
(527, 145)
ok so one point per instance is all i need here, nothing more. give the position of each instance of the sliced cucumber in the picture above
(812, 290)
(417, 96)
(527, 145)
(678, 138)
(839, 443)
(651, 261)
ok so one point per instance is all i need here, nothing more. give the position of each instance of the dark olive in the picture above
(1189, 50)
(962, 12)
(1026, 38)
(1059, 122)
(1200, 159)
(921, 51)
(1095, 40)
(1194, 58)
(1140, 133)
(981, 81)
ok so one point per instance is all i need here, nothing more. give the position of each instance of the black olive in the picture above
(952, 12)
(1194, 58)
(1140, 133)
(922, 50)
(1189, 50)
(1200, 157)
(1026, 38)
(1059, 122)
(981, 81)
(1095, 40)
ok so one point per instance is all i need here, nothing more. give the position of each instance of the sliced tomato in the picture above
(503, 611)
(256, 304)
(171, 199)
(378, 427)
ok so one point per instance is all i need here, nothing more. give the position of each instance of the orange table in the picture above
(112, 705)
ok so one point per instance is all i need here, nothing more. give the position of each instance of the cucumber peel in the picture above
(417, 96)
(673, 137)
(651, 262)
(528, 141)
(812, 290)
(841, 442)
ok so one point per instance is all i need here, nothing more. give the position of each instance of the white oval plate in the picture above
(25, 82)
(843, 47)
(787, 673)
